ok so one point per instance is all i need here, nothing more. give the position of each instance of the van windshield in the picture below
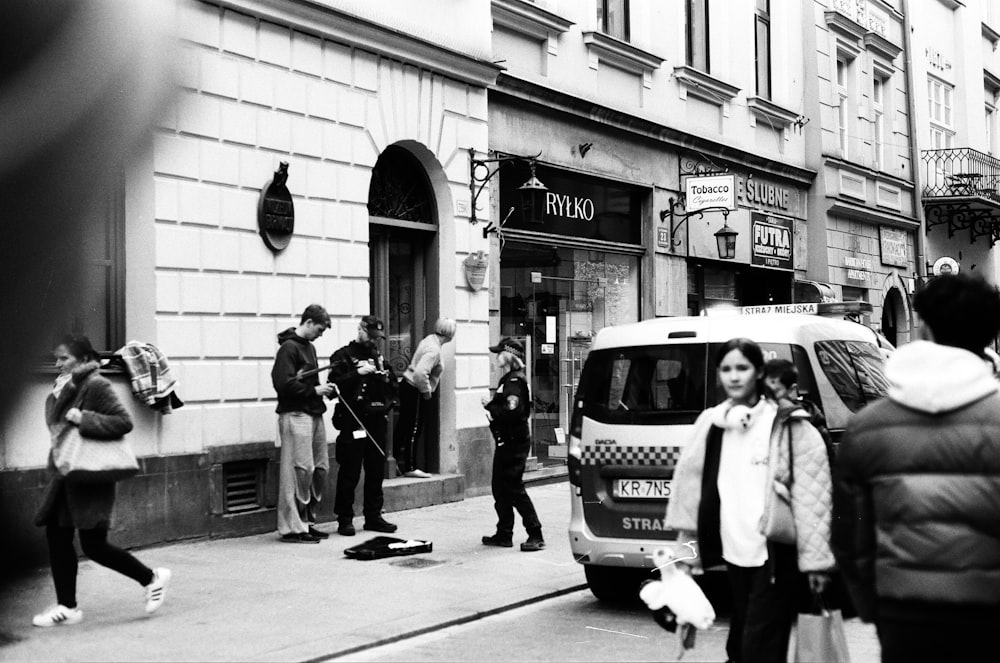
(649, 385)
(854, 368)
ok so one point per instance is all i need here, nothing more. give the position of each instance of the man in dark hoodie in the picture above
(304, 453)
(917, 488)
(366, 392)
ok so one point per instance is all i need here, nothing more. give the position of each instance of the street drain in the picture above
(418, 563)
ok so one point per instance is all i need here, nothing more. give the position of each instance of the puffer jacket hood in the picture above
(936, 378)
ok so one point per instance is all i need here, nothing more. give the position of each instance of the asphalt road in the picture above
(577, 627)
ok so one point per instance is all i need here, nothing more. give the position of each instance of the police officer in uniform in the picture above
(367, 392)
(508, 411)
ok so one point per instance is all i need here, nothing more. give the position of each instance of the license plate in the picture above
(644, 489)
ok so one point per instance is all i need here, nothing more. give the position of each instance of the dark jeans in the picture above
(63, 559)
(764, 611)
(409, 426)
(913, 641)
(353, 454)
(509, 492)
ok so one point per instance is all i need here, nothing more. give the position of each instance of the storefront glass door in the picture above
(556, 300)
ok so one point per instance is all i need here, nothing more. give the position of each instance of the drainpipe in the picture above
(914, 150)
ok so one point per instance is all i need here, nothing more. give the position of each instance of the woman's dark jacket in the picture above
(83, 505)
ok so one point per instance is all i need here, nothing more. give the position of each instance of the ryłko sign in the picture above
(771, 241)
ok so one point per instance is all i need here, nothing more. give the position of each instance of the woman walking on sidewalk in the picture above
(83, 398)
(722, 497)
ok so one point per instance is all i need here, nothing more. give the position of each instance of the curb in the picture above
(458, 621)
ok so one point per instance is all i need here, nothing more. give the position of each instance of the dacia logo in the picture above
(606, 441)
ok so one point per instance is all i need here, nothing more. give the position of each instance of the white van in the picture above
(640, 391)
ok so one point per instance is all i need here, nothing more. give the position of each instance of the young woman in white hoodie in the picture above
(722, 487)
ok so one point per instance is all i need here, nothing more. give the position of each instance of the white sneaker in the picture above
(58, 615)
(156, 591)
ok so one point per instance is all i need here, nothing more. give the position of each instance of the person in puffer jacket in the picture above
(917, 495)
(721, 494)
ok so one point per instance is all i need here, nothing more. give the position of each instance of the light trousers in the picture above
(305, 461)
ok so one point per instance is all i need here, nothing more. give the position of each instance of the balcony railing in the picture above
(961, 172)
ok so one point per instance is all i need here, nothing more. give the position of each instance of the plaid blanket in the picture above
(152, 382)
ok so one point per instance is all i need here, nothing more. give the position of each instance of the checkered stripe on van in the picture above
(613, 454)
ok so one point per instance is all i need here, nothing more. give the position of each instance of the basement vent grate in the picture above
(243, 483)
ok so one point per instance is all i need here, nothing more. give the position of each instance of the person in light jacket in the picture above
(82, 397)
(722, 494)
(418, 385)
(917, 493)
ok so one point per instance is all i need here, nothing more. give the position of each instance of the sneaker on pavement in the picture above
(346, 528)
(318, 534)
(417, 474)
(380, 524)
(498, 540)
(58, 615)
(156, 591)
(533, 544)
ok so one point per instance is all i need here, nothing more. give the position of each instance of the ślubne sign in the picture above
(709, 191)
(771, 241)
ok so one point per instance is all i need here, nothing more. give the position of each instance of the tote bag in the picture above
(820, 638)
(85, 460)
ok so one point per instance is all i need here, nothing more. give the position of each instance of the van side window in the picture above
(854, 368)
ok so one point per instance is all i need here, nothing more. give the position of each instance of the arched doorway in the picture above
(403, 224)
(891, 315)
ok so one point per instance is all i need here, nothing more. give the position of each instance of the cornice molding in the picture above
(882, 46)
(523, 92)
(329, 23)
(777, 116)
(704, 86)
(992, 35)
(991, 81)
(849, 34)
(527, 18)
(620, 54)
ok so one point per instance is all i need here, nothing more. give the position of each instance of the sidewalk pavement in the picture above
(257, 599)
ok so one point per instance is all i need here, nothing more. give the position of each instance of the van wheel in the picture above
(614, 584)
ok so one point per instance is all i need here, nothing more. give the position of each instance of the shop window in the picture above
(697, 35)
(613, 18)
(98, 310)
(762, 38)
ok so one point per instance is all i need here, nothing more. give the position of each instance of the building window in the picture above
(697, 35)
(990, 119)
(613, 18)
(843, 106)
(762, 23)
(939, 101)
(99, 309)
(878, 107)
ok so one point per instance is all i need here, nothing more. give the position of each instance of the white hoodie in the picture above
(936, 378)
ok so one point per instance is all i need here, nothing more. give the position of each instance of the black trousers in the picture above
(63, 559)
(353, 454)
(905, 641)
(409, 426)
(764, 609)
(508, 490)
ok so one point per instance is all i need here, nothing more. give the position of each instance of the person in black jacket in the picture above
(305, 458)
(366, 390)
(916, 526)
(508, 411)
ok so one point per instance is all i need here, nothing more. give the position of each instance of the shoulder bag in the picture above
(778, 522)
(85, 460)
